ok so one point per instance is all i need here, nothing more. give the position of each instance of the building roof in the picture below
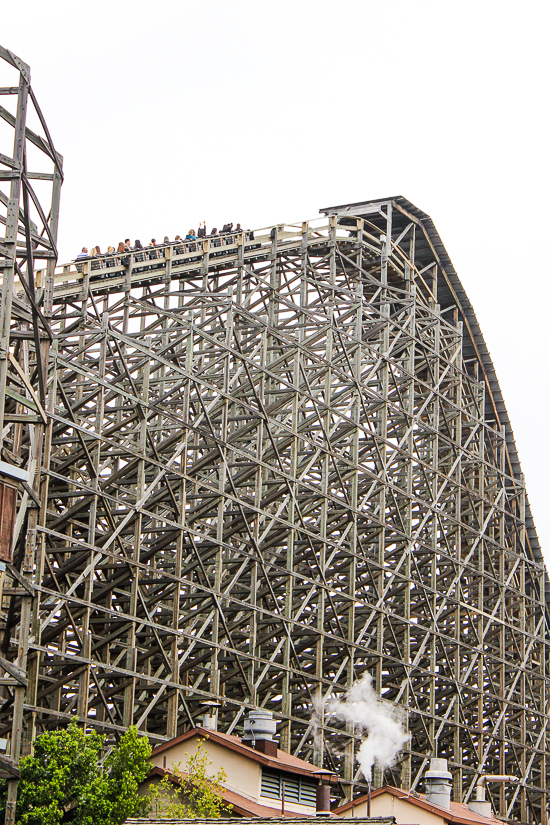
(459, 812)
(295, 820)
(282, 762)
(241, 805)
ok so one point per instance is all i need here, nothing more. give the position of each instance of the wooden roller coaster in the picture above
(248, 470)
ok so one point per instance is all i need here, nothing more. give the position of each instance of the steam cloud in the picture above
(383, 722)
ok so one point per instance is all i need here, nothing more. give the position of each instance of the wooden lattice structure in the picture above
(30, 181)
(263, 466)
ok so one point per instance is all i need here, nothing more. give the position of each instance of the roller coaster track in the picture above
(260, 467)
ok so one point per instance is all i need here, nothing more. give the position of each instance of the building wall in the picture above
(244, 775)
(388, 805)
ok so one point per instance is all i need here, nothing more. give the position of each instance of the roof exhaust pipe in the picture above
(259, 730)
(322, 800)
(210, 715)
(438, 784)
(209, 721)
(322, 797)
(480, 805)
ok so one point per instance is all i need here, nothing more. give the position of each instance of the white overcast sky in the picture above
(258, 111)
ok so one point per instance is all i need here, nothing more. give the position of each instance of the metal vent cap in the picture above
(259, 724)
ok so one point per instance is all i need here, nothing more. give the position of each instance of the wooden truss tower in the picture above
(259, 470)
(30, 181)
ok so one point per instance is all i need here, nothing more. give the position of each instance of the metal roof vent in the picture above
(480, 805)
(259, 724)
(259, 728)
(210, 717)
(438, 784)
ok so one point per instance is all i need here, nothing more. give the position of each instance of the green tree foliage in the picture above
(127, 766)
(63, 779)
(189, 792)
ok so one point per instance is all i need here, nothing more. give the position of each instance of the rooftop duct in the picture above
(210, 716)
(209, 721)
(259, 729)
(438, 784)
(322, 800)
(480, 805)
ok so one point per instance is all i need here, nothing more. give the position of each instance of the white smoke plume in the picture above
(383, 722)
